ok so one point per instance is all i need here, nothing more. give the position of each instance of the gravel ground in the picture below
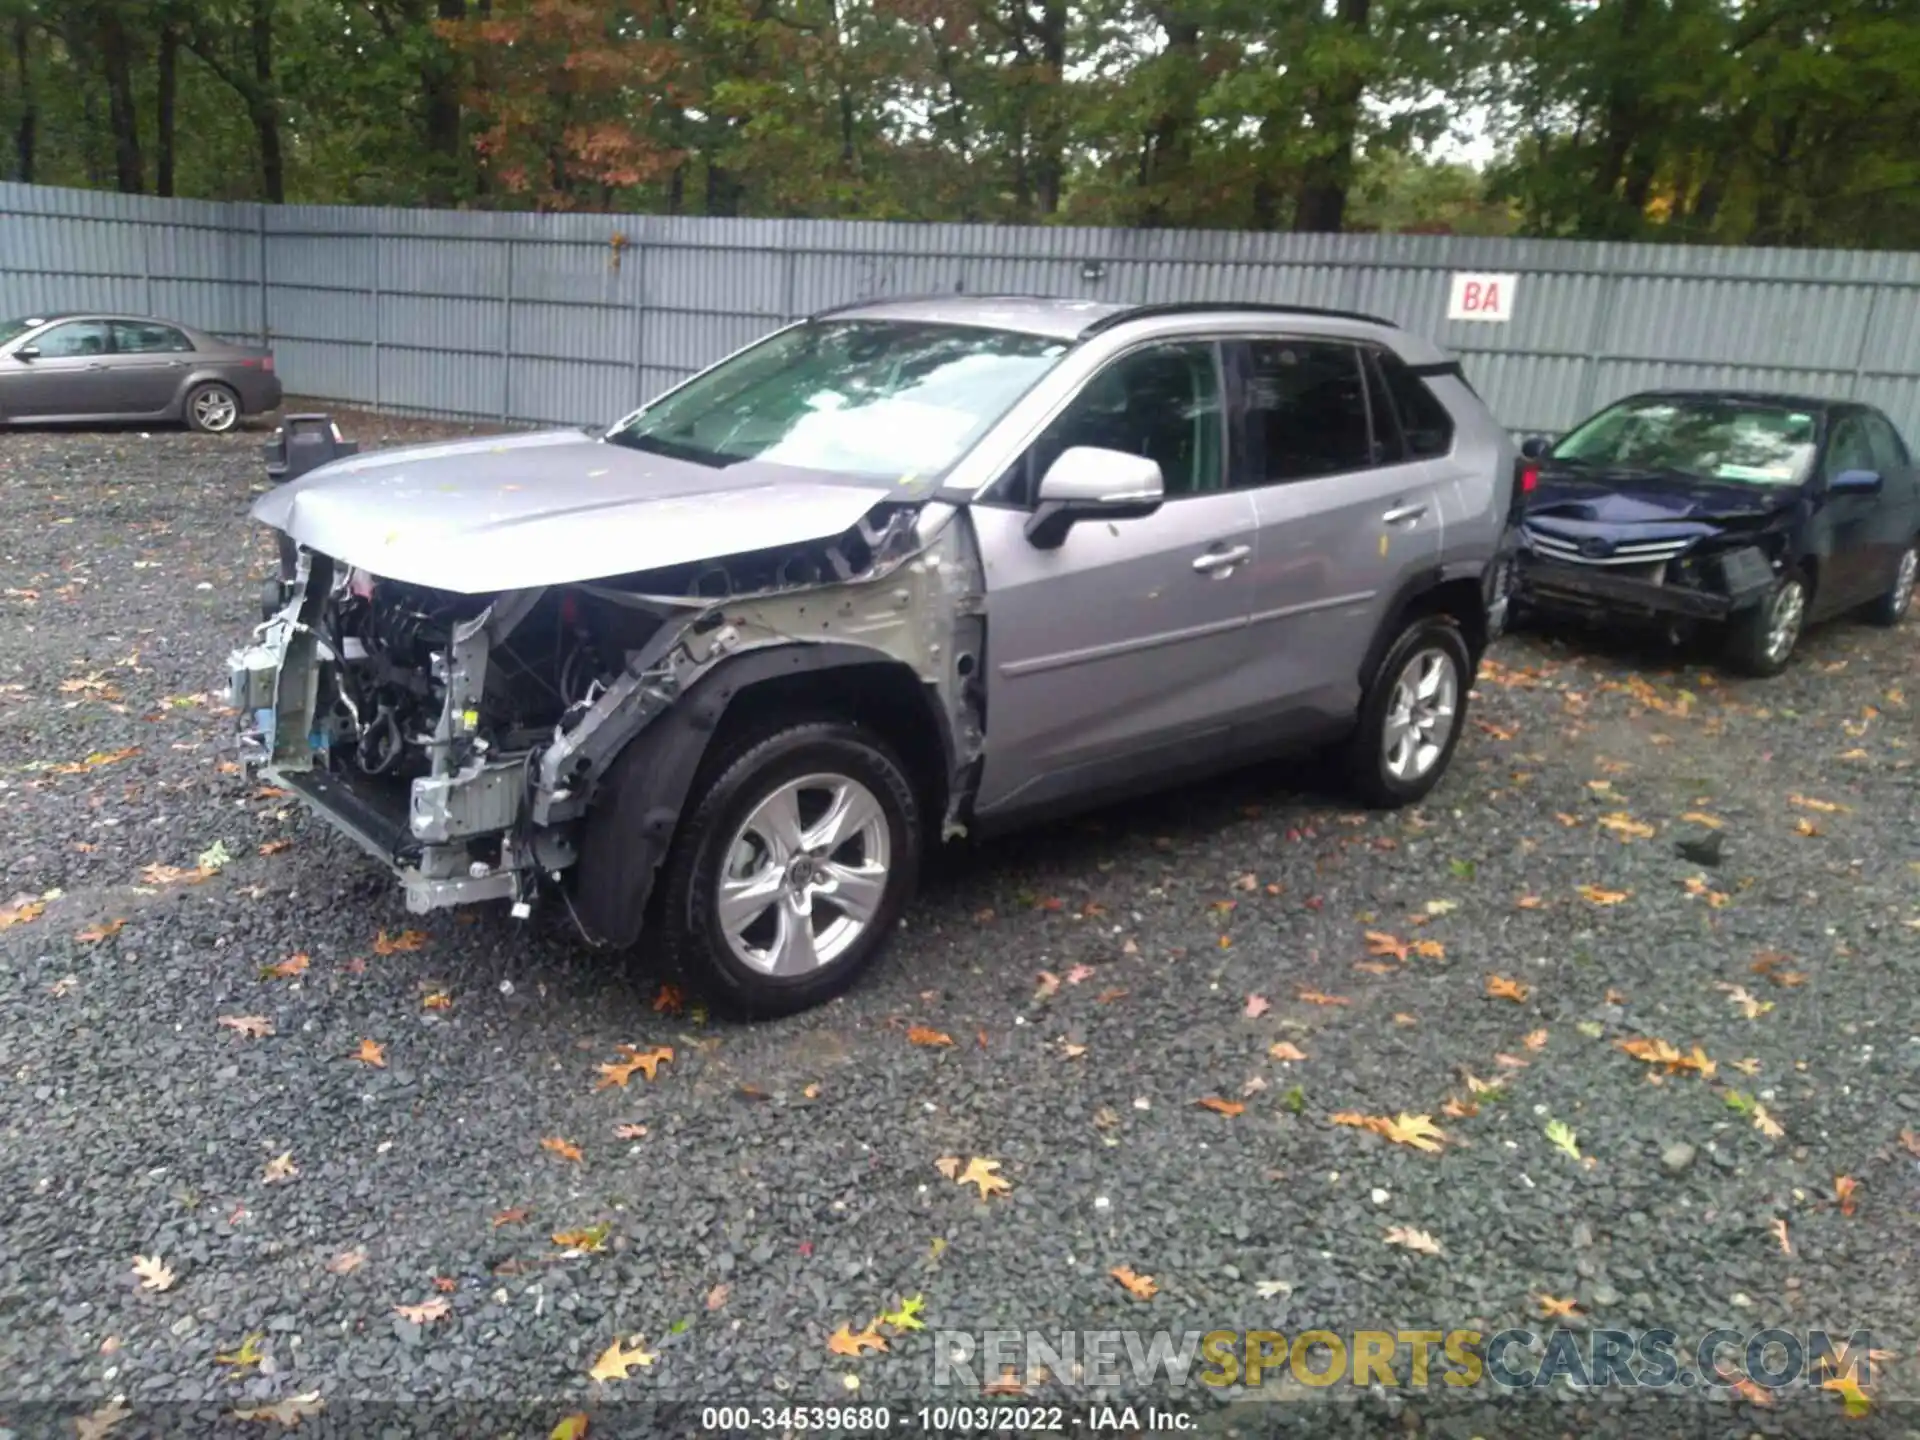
(1097, 980)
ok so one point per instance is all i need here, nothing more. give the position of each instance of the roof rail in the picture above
(1205, 307)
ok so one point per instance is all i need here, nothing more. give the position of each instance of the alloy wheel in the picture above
(805, 875)
(1420, 717)
(215, 410)
(1784, 619)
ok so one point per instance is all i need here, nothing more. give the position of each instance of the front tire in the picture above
(1761, 641)
(1412, 715)
(1891, 608)
(212, 409)
(791, 868)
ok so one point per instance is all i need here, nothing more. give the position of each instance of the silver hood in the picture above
(511, 512)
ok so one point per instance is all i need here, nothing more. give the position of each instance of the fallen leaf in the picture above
(614, 1362)
(645, 1061)
(1430, 949)
(1079, 973)
(1499, 987)
(286, 969)
(590, 1239)
(1458, 1109)
(154, 1272)
(275, 847)
(1659, 1052)
(287, 1412)
(565, 1149)
(426, 1312)
(97, 1423)
(1286, 1050)
(1823, 807)
(1529, 902)
(1738, 997)
(1848, 1388)
(1766, 1124)
(1008, 1384)
(907, 1315)
(1806, 827)
(1698, 817)
(1535, 1040)
(384, 944)
(845, 1342)
(949, 1166)
(1228, 1108)
(571, 1427)
(1141, 1287)
(1320, 997)
(371, 1053)
(280, 1168)
(926, 1035)
(1379, 943)
(1105, 997)
(1551, 1309)
(1256, 1006)
(1401, 1018)
(20, 912)
(105, 930)
(1418, 1131)
(436, 1000)
(1412, 1239)
(1594, 894)
(979, 1172)
(629, 1132)
(1072, 1051)
(246, 1357)
(254, 1027)
(1626, 827)
(1779, 1228)
(347, 1261)
(1911, 1140)
(1562, 1137)
(514, 1215)
(1843, 1188)
(669, 1000)
(1048, 987)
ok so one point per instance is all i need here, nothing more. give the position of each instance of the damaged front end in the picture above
(1670, 573)
(463, 738)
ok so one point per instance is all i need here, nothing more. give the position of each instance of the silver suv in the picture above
(907, 570)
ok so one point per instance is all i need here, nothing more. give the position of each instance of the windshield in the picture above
(1718, 439)
(887, 399)
(14, 329)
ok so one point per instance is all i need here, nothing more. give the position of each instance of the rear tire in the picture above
(1412, 714)
(212, 409)
(1891, 608)
(1760, 641)
(790, 868)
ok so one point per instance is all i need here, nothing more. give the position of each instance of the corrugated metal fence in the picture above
(576, 318)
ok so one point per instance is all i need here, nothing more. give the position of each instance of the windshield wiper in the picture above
(672, 449)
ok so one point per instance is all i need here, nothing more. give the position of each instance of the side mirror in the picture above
(1535, 447)
(1855, 482)
(1086, 482)
(27, 352)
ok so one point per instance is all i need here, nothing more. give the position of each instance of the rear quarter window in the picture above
(1426, 424)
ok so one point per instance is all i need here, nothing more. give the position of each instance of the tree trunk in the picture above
(24, 134)
(1329, 173)
(1049, 171)
(263, 108)
(116, 60)
(1167, 154)
(440, 85)
(166, 87)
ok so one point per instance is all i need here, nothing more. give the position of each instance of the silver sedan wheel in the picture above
(1420, 716)
(1903, 581)
(805, 875)
(214, 409)
(1784, 619)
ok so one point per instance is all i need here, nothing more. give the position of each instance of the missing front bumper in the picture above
(1744, 576)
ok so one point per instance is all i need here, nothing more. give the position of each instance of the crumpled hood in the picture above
(1589, 503)
(510, 512)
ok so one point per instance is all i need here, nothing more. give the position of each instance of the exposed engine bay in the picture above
(460, 737)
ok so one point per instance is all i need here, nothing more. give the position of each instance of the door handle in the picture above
(1402, 514)
(1218, 562)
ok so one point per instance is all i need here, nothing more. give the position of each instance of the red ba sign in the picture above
(1482, 297)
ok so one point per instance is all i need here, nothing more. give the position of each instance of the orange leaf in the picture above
(275, 847)
(1843, 1188)
(438, 1000)
(979, 1172)
(629, 1132)
(445, 1284)
(371, 1053)
(1383, 944)
(254, 1027)
(1228, 1108)
(1536, 1040)
(288, 968)
(405, 940)
(565, 1149)
(1551, 1308)
(1779, 1228)
(1499, 987)
(669, 1001)
(1594, 894)
(513, 1216)
(424, 1313)
(1460, 1109)
(928, 1036)
(1319, 997)
(621, 1071)
(1286, 1050)
(844, 1342)
(104, 930)
(1141, 1287)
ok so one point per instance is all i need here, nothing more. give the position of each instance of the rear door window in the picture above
(1426, 423)
(1304, 411)
(144, 337)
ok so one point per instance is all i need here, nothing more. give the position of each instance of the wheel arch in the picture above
(631, 823)
(1455, 590)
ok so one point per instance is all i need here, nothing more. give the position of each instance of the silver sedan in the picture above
(126, 367)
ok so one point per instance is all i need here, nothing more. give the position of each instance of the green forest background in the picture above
(1775, 122)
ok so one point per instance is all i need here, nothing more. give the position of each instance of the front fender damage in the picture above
(491, 818)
